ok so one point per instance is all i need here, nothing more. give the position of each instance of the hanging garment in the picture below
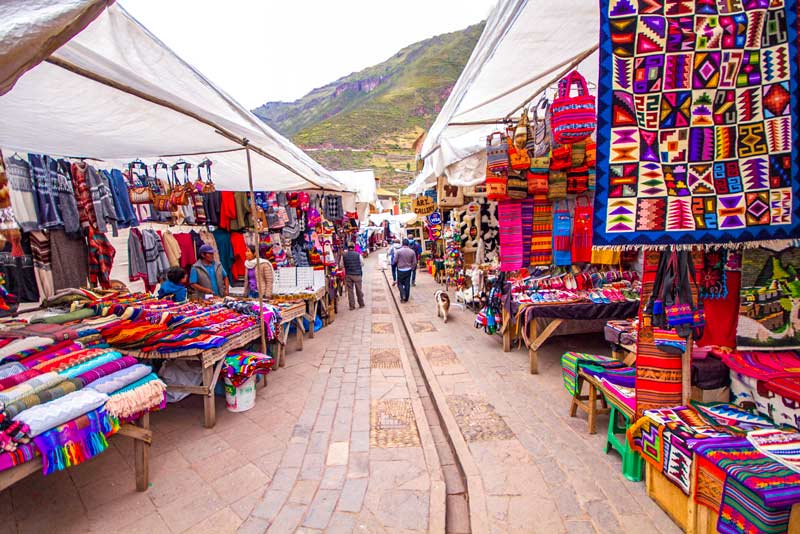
(83, 194)
(223, 241)
(23, 198)
(101, 259)
(172, 248)
(19, 273)
(242, 220)
(154, 256)
(212, 203)
(206, 238)
(722, 314)
(239, 249)
(137, 266)
(40, 251)
(187, 248)
(582, 231)
(527, 230)
(69, 259)
(126, 216)
(44, 193)
(227, 210)
(198, 208)
(9, 229)
(334, 210)
(102, 200)
(67, 206)
(562, 225)
(509, 213)
(542, 235)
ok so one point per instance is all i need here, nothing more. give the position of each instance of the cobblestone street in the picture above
(350, 437)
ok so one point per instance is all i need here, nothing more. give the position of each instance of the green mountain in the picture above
(371, 118)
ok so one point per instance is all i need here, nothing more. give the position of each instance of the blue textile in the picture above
(126, 216)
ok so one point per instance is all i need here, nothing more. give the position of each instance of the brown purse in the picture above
(161, 199)
(179, 196)
(208, 185)
(138, 194)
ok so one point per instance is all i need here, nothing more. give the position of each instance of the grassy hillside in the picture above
(370, 118)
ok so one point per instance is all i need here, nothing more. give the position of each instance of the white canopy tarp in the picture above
(362, 182)
(116, 92)
(524, 46)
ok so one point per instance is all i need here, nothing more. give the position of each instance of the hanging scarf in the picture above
(76, 441)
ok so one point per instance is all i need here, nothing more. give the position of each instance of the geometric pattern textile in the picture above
(698, 107)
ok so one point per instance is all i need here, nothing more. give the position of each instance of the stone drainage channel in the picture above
(460, 517)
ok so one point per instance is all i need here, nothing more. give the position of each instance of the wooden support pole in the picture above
(254, 221)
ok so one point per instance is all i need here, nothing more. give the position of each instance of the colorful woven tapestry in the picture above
(509, 213)
(75, 441)
(781, 446)
(709, 482)
(731, 417)
(542, 236)
(571, 363)
(769, 300)
(697, 122)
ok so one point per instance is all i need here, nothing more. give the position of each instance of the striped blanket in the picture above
(527, 230)
(509, 214)
(542, 234)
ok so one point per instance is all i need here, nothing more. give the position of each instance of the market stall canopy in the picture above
(116, 92)
(362, 182)
(526, 46)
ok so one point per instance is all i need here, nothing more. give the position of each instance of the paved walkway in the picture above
(538, 469)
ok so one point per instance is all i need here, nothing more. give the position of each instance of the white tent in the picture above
(362, 182)
(115, 92)
(525, 47)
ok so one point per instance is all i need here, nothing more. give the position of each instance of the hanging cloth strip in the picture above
(562, 225)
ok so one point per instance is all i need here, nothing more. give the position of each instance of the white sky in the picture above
(266, 50)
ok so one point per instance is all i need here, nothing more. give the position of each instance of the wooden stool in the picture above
(616, 439)
(591, 408)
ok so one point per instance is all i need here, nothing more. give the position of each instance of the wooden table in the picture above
(290, 314)
(312, 304)
(211, 362)
(138, 430)
(592, 409)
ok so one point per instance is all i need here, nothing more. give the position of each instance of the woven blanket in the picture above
(13, 368)
(526, 211)
(88, 365)
(23, 453)
(116, 381)
(53, 351)
(571, 363)
(696, 125)
(621, 376)
(239, 366)
(105, 369)
(27, 402)
(144, 395)
(65, 361)
(13, 380)
(32, 386)
(733, 418)
(781, 446)
(46, 416)
(769, 299)
(625, 395)
(11, 352)
(75, 441)
(709, 482)
(753, 394)
(542, 233)
(509, 214)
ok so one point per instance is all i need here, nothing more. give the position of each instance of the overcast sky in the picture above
(262, 50)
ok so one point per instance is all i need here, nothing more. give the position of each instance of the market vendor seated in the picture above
(207, 276)
(174, 286)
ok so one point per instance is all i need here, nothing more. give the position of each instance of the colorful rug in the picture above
(781, 446)
(697, 120)
(509, 213)
(733, 418)
(758, 395)
(769, 300)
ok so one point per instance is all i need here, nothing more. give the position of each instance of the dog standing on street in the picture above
(442, 304)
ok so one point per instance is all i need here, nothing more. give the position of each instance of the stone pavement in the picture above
(538, 469)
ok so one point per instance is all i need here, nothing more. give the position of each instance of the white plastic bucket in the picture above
(242, 398)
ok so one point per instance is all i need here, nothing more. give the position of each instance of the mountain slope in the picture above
(370, 118)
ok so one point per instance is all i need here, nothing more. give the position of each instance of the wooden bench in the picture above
(596, 404)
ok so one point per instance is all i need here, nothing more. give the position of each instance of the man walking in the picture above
(392, 251)
(351, 261)
(415, 246)
(405, 259)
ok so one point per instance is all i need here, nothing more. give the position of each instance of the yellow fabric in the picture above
(172, 249)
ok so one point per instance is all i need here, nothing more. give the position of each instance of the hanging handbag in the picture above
(538, 176)
(496, 186)
(573, 118)
(179, 196)
(517, 185)
(521, 131)
(539, 140)
(562, 225)
(518, 158)
(138, 194)
(496, 153)
(582, 231)
(577, 180)
(161, 199)
(208, 185)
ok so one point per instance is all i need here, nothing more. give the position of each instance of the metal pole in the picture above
(254, 221)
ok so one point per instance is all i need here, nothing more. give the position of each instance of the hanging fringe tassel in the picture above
(73, 453)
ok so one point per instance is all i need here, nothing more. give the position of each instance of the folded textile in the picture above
(142, 396)
(106, 369)
(75, 441)
(25, 343)
(27, 402)
(23, 453)
(241, 365)
(53, 351)
(781, 446)
(88, 365)
(12, 368)
(19, 378)
(118, 380)
(66, 361)
(750, 392)
(32, 386)
(571, 363)
(62, 318)
(612, 372)
(733, 418)
(46, 416)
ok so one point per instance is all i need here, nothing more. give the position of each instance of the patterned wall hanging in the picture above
(697, 106)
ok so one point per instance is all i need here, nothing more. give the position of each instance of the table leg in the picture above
(313, 319)
(300, 331)
(506, 332)
(539, 340)
(592, 409)
(573, 407)
(533, 355)
(209, 406)
(141, 456)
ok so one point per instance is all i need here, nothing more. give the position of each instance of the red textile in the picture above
(186, 244)
(239, 249)
(227, 209)
(722, 315)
